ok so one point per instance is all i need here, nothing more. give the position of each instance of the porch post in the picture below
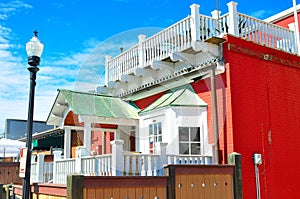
(117, 157)
(87, 136)
(57, 156)
(141, 51)
(40, 167)
(163, 153)
(233, 18)
(67, 143)
(195, 22)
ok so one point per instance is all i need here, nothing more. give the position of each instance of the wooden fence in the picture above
(9, 172)
(180, 181)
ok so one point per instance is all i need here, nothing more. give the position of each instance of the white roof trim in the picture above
(282, 15)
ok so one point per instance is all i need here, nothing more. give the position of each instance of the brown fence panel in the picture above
(9, 173)
(209, 182)
(125, 187)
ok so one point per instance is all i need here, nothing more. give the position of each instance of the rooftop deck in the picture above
(192, 35)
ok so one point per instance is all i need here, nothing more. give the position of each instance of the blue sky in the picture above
(77, 34)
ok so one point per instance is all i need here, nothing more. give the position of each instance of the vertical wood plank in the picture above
(107, 192)
(132, 193)
(123, 193)
(161, 192)
(99, 193)
(115, 193)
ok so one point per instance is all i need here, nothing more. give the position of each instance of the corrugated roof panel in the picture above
(181, 96)
(99, 105)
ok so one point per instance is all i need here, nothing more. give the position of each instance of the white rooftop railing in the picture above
(181, 35)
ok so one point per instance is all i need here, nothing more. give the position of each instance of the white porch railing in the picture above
(127, 164)
(196, 27)
(189, 159)
(100, 165)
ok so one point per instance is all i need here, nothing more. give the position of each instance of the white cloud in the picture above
(10, 8)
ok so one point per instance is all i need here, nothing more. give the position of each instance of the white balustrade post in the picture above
(292, 27)
(67, 143)
(195, 22)
(141, 51)
(216, 15)
(107, 72)
(163, 153)
(56, 156)
(233, 18)
(117, 157)
(40, 167)
(87, 136)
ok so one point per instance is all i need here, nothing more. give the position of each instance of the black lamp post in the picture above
(34, 49)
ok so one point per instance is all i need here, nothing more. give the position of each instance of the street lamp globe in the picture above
(34, 49)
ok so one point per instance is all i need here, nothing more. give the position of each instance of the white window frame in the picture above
(155, 134)
(190, 140)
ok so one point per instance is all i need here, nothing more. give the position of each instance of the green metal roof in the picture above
(183, 96)
(99, 105)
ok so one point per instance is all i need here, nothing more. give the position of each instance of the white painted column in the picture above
(163, 153)
(233, 18)
(87, 136)
(195, 22)
(141, 52)
(56, 156)
(107, 59)
(67, 143)
(216, 15)
(40, 167)
(117, 157)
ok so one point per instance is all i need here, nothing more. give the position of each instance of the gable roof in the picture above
(183, 96)
(90, 104)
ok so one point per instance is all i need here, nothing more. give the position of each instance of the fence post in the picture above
(40, 167)
(195, 22)
(1, 191)
(56, 156)
(75, 186)
(117, 163)
(171, 187)
(141, 51)
(236, 159)
(233, 26)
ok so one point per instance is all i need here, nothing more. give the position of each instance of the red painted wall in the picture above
(259, 112)
(288, 20)
(265, 100)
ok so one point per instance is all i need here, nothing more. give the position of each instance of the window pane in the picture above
(159, 138)
(195, 148)
(155, 129)
(195, 134)
(150, 129)
(159, 128)
(183, 134)
(183, 148)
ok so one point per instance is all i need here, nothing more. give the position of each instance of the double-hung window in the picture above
(189, 140)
